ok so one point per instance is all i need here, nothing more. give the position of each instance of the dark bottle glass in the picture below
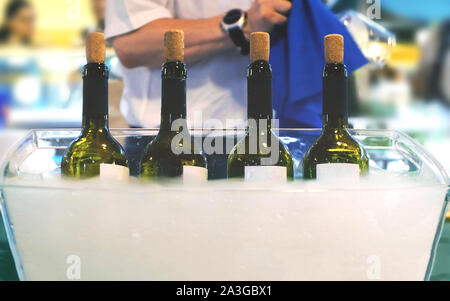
(159, 159)
(95, 152)
(249, 159)
(335, 145)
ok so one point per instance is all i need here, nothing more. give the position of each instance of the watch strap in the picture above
(237, 36)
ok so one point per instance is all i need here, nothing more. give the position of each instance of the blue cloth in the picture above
(5, 102)
(297, 59)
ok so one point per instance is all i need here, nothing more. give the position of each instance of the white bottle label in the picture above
(266, 173)
(194, 174)
(114, 172)
(337, 172)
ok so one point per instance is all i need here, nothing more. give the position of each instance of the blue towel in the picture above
(5, 102)
(298, 59)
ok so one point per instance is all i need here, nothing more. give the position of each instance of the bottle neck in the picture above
(335, 104)
(334, 124)
(173, 94)
(97, 123)
(263, 125)
(259, 91)
(95, 97)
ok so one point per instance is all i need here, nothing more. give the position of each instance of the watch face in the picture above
(232, 16)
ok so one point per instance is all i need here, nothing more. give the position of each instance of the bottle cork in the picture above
(334, 48)
(174, 45)
(95, 48)
(259, 46)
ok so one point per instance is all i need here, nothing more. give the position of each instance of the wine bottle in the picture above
(167, 155)
(260, 155)
(335, 154)
(95, 152)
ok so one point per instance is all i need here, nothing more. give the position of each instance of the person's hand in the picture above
(263, 15)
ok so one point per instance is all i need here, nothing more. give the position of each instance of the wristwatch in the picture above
(233, 24)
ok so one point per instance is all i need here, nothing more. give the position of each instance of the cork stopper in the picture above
(174, 45)
(259, 46)
(334, 48)
(95, 48)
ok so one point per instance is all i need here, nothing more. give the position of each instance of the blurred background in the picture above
(406, 87)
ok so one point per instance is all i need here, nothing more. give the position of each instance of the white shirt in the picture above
(216, 87)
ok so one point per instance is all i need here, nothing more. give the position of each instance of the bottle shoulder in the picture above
(336, 141)
(247, 146)
(102, 146)
(245, 154)
(162, 159)
(162, 146)
(335, 147)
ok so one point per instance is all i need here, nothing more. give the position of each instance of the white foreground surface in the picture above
(225, 231)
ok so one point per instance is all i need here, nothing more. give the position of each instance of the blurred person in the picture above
(216, 85)
(17, 30)
(216, 50)
(19, 24)
(433, 75)
(440, 75)
(390, 87)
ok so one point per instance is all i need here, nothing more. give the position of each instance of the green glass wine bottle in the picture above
(95, 152)
(173, 152)
(335, 153)
(260, 155)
